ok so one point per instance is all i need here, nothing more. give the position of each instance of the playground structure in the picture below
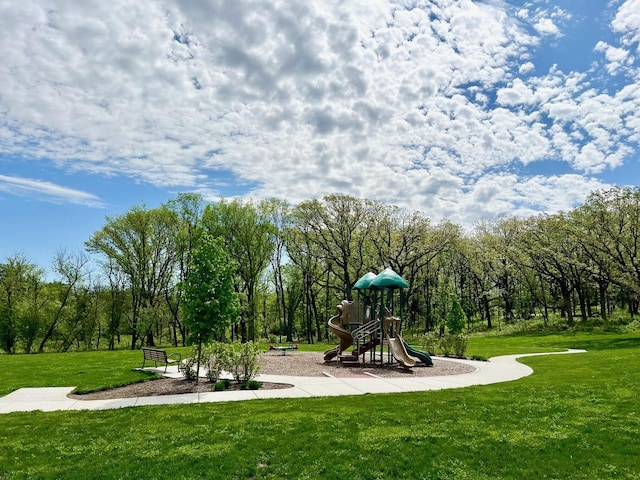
(368, 327)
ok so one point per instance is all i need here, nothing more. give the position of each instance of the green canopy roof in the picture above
(389, 279)
(365, 281)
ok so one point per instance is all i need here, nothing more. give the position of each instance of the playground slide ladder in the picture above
(362, 349)
(354, 357)
(360, 334)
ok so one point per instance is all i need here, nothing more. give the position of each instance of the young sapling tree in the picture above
(210, 301)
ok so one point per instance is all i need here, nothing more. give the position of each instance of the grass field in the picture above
(576, 417)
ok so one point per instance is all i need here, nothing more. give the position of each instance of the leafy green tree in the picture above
(310, 269)
(553, 255)
(610, 234)
(142, 245)
(189, 208)
(71, 268)
(406, 242)
(285, 275)
(32, 311)
(248, 237)
(18, 278)
(599, 268)
(116, 303)
(475, 259)
(337, 229)
(456, 319)
(210, 302)
(329, 241)
(499, 241)
(293, 294)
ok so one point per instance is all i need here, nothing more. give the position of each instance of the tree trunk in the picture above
(583, 302)
(281, 302)
(602, 294)
(567, 304)
(307, 295)
(316, 315)
(487, 310)
(243, 329)
(56, 318)
(251, 324)
(198, 360)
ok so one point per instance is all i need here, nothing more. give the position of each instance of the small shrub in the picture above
(446, 345)
(243, 364)
(254, 385)
(430, 343)
(216, 360)
(629, 327)
(212, 372)
(226, 382)
(219, 387)
(460, 343)
(188, 368)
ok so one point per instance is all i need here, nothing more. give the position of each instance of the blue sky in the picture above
(462, 109)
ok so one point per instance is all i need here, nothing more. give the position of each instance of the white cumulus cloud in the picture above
(427, 105)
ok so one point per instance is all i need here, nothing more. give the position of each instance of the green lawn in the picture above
(577, 416)
(85, 370)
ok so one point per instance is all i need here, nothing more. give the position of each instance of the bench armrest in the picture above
(179, 359)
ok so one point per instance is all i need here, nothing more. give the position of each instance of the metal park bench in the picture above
(160, 356)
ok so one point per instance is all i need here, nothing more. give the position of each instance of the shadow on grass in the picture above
(526, 343)
(146, 376)
(589, 342)
(603, 343)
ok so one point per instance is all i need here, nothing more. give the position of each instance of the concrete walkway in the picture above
(498, 369)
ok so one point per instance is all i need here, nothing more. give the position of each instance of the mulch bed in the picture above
(165, 386)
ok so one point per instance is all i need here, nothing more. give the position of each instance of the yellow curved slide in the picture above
(400, 353)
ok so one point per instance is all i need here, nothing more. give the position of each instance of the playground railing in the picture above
(363, 331)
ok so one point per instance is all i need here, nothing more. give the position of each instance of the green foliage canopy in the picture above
(210, 301)
(248, 237)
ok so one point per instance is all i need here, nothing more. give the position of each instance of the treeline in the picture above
(293, 264)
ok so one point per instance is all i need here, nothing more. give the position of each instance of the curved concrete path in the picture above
(497, 369)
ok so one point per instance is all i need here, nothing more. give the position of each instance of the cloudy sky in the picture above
(462, 109)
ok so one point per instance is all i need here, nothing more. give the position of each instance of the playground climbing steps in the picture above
(364, 348)
(353, 358)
